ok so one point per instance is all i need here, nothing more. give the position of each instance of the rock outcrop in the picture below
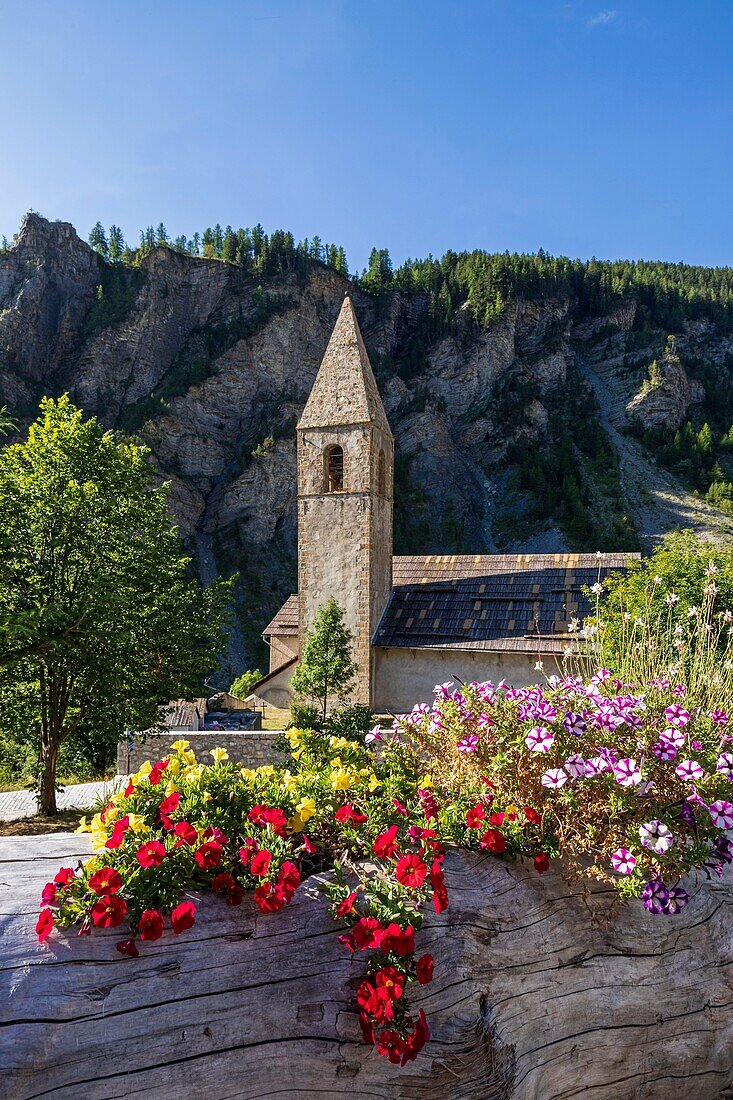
(667, 392)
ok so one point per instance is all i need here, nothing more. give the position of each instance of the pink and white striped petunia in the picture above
(575, 766)
(690, 771)
(540, 739)
(675, 737)
(554, 778)
(722, 814)
(725, 764)
(623, 861)
(719, 717)
(656, 836)
(627, 772)
(664, 749)
(676, 715)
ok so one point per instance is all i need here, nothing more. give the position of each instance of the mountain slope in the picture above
(513, 434)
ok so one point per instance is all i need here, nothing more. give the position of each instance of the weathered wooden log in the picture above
(530, 999)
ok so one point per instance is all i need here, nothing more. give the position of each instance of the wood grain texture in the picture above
(530, 1001)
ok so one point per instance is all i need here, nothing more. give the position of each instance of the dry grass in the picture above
(63, 822)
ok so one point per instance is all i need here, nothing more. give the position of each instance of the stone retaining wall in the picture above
(251, 748)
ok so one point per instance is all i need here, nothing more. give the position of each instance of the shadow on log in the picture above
(530, 1001)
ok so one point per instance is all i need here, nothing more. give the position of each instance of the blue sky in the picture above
(584, 128)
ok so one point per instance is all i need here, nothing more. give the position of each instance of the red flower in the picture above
(250, 847)
(105, 881)
(44, 925)
(348, 813)
(186, 834)
(399, 807)
(417, 1040)
(309, 845)
(128, 947)
(48, 894)
(208, 855)
(347, 906)
(151, 925)
(156, 772)
(385, 845)
(541, 862)
(274, 817)
(493, 841)
(260, 864)
(288, 879)
(411, 871)
(235, 895)
(64, 877)
(497, 819)
(532, 815)
(347, 939)
(397, 941)
(377, 1003)
(167, 807)
(367, 932)
(151, 854)
(118, 833)
(183, 917)
(440, 893)
(428, 803)
(109, 911)
(268, 898)
(367, 1030)
(129, 789)
(390, 1044)
(212, 833)
(392, 981)
(222, 883)
(424, 969)
(475, 816)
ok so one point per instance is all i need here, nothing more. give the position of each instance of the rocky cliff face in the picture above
(212, 369)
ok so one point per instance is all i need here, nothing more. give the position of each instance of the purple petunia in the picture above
(664, 749)
(468, 744)
(719, 717)
(725, 764)
(723, 849)
(689, 770)
(623, 861)
(540, 739)
(722, 814)
(655, 896)
(575, 766)
(656, 836)
(575, 724)
(678, 899)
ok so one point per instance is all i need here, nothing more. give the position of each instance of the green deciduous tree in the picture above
(243, 684)
(95, 586)
(326, 667)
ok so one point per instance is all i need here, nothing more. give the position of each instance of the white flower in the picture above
(692, 611)
(538, 666)
(711, 569)
(573, 626)
(597, 588)
(657, 580)
(671, 599)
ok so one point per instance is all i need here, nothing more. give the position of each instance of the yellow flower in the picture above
(297, 754)
(138, 824)
(336, 762)
(193, 772)
(207, 796)
(111, 815)
(426, 782)
(340, 743)
(373, 782)
(294, 736)
(512, 810)
(265, 769)
(91, 864)
(341, 780)
(189, 756)
(145, 769)
(248, 773)
(306, 808)
(174, 765)
(171, 787)
(288, 782)
(179, 746)
(99, 840)
(84, 826)
(117, 798)
(295, 823)
(219, 755)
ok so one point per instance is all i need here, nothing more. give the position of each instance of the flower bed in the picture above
(630, 787)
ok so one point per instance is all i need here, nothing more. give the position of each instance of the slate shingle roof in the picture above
(481, 601)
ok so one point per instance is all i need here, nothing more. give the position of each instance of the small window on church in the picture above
(382, 475)
(334, 469)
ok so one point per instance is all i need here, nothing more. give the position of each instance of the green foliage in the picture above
(353, 722)
(326, 667)
(243, 684)
(305, 716)
(116, 296)
(100, 622)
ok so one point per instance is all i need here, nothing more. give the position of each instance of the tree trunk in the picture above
(530, 1000)
(49, 760)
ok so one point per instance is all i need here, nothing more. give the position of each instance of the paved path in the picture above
(15, 804)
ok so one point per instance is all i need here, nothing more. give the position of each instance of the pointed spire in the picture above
(345, 390)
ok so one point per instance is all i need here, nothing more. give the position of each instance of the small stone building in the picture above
(419, 620)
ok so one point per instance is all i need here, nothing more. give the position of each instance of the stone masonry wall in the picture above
(250, 749)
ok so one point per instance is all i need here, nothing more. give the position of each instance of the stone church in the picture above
(418, 620)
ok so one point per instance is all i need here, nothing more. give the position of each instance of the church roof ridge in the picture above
(345, 390)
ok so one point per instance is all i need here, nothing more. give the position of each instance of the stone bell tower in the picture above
(345, 495)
